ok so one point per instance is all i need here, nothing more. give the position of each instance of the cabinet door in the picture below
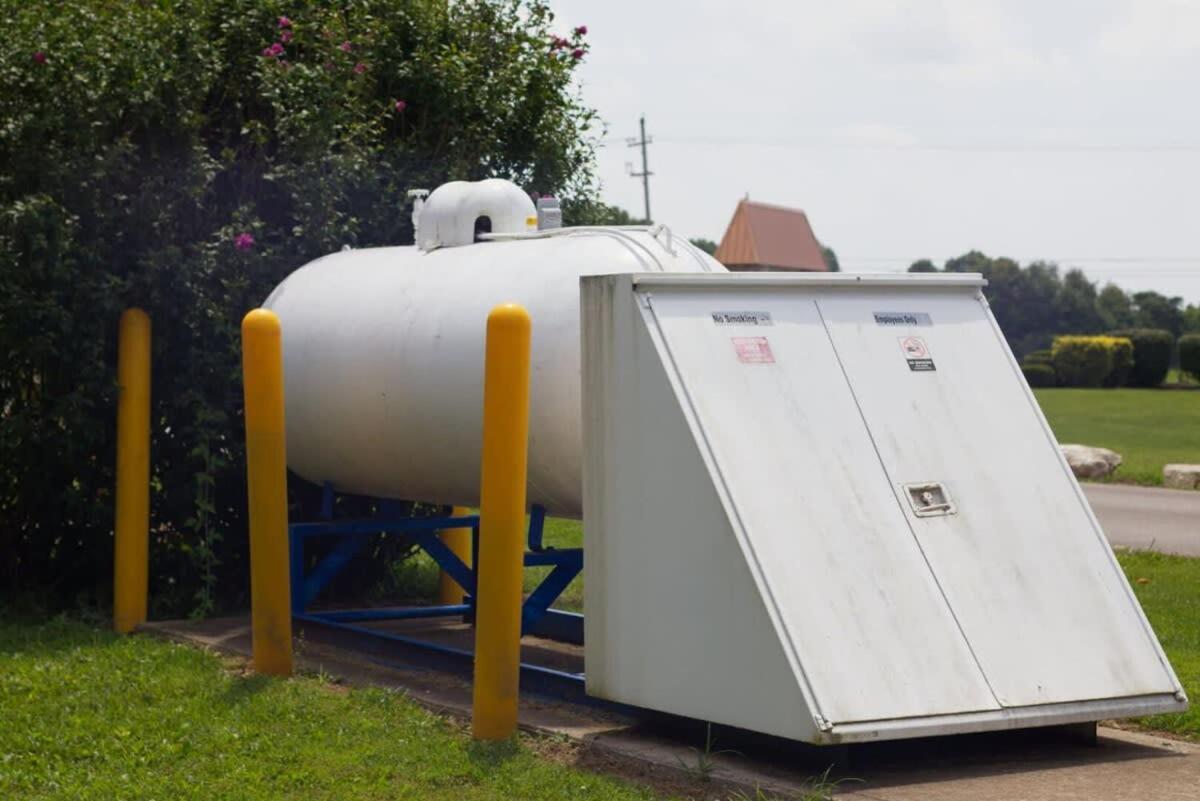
(853, 599)
(1009, 538)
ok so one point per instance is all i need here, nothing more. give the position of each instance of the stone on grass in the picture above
(1089, 462)
(1182, 476)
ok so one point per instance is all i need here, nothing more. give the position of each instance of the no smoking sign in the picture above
(917, 354)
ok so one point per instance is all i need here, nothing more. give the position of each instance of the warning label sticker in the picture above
(917, 354)
(753, 350)
(742, 318)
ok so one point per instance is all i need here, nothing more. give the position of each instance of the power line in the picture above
(1000, 147)
(1114, 259)
(645, 173)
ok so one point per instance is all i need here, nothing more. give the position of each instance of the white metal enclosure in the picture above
(829, 508)
(383, 353)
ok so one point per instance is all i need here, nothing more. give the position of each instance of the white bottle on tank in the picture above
(383, 347)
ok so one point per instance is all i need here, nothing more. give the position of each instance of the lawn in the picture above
(560, 533)
(1148, 427)
(87, 715)
(1167, 586)
(1169, 589)
(419, 574)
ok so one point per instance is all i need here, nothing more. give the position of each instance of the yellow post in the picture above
(457, 540)
(266, 475)
(501, 523)
(131, 550)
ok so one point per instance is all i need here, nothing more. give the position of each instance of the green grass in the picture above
(1169, 589)
(1148, 427)
(87, 715)
(418, 575)
(560, 533)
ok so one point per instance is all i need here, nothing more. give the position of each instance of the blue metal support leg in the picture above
(536, 615)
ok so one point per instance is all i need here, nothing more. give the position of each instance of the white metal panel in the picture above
(677, 590)
(1026, 570)
(855, 604)
(675, 621)
(383, 359)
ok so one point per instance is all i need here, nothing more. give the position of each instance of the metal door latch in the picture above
(929, 499)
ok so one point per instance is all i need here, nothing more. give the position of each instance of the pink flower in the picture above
(577, 53)
(284, 22)
(274, 51)
(360, 68)
(285, 37)
(346, 47)
(581, 30)
(244, 241)
(400, 106)
(39, 57)
(556, 43)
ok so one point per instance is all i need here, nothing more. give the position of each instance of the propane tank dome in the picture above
(455, 212)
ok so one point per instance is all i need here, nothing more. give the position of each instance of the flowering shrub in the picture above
(184, 157)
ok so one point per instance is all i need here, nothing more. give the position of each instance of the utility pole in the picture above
(645, 173)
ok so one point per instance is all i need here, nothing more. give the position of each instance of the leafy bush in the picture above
(1151, 355)
(1039, 375)
(1087, 361)
(1189, 355)
(184, 157)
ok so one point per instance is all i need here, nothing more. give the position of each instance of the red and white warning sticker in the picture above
(753, 350)
(917, 354)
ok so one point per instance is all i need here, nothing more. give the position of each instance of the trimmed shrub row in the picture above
(1039, 374)
(1135, 357)
(1189, 355)
(1151, 355)
(1081, 361)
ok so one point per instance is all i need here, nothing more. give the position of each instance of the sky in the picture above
(1062, 130)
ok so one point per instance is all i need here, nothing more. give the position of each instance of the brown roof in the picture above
(771, 237)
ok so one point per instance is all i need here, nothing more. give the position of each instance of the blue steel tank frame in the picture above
(537, 617)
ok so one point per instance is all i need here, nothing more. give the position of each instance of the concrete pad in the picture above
(1047, 765)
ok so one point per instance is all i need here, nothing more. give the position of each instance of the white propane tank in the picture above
(383, 350)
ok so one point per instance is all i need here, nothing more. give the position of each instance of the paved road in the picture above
(1148, 517)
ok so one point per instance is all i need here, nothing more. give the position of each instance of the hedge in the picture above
(1039, 375)
(185, 157)
(1039, 357)
(1189, 355)
(1151, 355)
(1122, 351)
(1084, 361)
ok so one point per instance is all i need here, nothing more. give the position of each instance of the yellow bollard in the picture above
(266, 476)
(131, 549)
(502, 523)
(457, 540)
